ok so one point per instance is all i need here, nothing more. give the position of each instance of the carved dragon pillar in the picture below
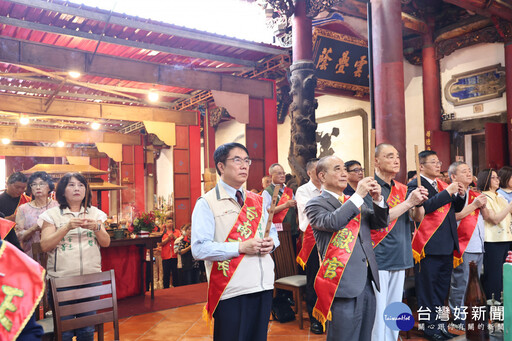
(303, 84)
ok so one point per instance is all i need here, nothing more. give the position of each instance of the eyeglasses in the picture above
(42, 184)
(356, 170)
(238, 160)
(437, 163)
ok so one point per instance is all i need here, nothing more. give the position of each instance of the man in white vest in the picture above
(228, 233)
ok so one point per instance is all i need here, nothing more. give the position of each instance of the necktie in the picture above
(434, 184)
(340, 198)
(239, 198)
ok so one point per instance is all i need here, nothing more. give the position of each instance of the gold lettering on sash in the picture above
(394, 201)
(251, 213)
(224, 267)
(7, 305)
(244, 229)
(332, 265)
(342, 239)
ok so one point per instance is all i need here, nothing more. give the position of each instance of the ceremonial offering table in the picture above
(127, 258)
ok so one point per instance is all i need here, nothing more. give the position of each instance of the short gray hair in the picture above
(272, 166)
(452, 170)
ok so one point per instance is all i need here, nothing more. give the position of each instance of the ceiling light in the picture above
(153, 96)
(60, 144)
(74, 74)
(5, 140)
(24, 120)
(95, 125)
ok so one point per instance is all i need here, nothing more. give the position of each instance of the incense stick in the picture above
(272, 209)
(487, 180)
(417, 159)
(371, 170)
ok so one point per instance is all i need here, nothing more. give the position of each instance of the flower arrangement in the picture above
(144, 222)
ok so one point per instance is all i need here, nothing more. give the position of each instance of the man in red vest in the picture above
(471, 238)
(434, 242)
(228, 233)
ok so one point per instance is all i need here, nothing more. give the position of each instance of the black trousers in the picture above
(432, 278)
(243, 318)
(312, 267)
(494, 257)
(167, 267)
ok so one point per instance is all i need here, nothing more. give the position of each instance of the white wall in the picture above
(348, 145)
(468, 59)
(164, 173)
(230, 131)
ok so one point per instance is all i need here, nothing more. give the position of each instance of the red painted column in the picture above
(140, 188)
(270, 124)
(435, 139)
(105, 202)
(195, 164)
(508, 72)
(388, 73)
(302, 33)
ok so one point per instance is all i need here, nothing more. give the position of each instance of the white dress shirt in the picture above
(303, 195)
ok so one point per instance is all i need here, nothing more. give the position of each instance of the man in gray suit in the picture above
(332, 216)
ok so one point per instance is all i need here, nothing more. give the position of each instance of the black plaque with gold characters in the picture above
(341, 61)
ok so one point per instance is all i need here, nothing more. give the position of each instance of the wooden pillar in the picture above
(388, 73)
(303, 84)
(435, 139)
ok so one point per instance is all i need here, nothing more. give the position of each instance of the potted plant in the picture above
(143, 224)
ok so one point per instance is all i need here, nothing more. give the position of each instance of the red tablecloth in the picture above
(126, 262)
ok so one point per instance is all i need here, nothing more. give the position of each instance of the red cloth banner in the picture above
(22, 286)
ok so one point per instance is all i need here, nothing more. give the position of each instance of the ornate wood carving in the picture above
(485, 35)
(504, 29)
(303, 125)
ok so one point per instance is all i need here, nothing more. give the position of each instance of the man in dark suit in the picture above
(433, 244)
(344, 281)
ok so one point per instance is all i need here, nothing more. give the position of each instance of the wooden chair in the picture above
(286, 268)
(106, 307)
(42, 258)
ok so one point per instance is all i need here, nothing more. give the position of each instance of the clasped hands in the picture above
(89, 224)
(369, 186)
(256, 246)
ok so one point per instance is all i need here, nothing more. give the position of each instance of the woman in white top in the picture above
(72, 234)
(497, 230)
(28, 224)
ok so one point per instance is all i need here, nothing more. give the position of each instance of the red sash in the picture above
(429, 226)
(23, 200)
(332, 267)
(5, 227)
(465, 230)
(22, 286)
(397, 195)
(308, 243)
(287, 195)
(244, 228)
